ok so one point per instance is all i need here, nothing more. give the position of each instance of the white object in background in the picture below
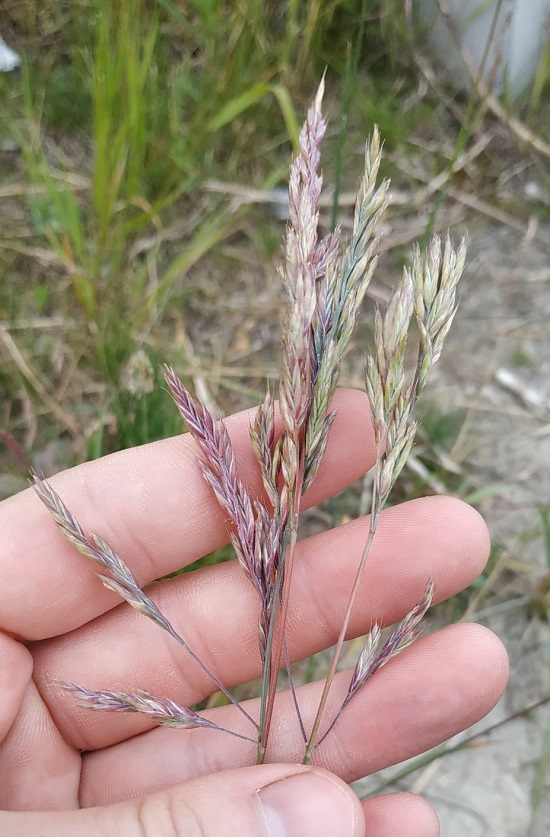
(9, 59)
(507, 36)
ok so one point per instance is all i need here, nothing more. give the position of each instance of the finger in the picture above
(439, 686)
(266, 801)
(39, 770)
(15, 673)
(216, 610)
(396, 814)
(153, 506)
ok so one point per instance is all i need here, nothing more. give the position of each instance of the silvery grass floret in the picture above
(325, 288)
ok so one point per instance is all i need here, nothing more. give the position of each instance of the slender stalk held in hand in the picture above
(325, 290)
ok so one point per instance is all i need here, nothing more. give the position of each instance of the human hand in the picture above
(68, 771)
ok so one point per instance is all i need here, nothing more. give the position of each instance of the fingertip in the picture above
(492, 656)
(396, 814)
(474, 531)
(353, 416)
(458, 530)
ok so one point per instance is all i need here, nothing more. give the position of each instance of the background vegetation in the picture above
(114, 236)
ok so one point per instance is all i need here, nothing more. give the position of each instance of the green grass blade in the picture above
(210, 233)
(289, 114)
(238, 105)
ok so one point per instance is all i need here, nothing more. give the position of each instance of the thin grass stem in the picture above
(293, 691)
(275, 639)
(311, 744)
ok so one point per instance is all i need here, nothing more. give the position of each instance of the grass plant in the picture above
(325, 288)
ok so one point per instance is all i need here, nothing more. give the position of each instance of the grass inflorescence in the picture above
(325, 284)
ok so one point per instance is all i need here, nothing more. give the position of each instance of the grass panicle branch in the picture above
(220, 471)
(341, 288)
(427, 293)
(115, 575)
(325, 287)
(304, 260)
(372, 657)
(404, 633)
(162, 711)
(255, 533)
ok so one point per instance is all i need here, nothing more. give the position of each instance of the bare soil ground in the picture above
(496, 369)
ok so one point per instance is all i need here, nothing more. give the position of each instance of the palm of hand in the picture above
(154, 507)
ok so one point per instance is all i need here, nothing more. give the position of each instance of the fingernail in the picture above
(307, 804)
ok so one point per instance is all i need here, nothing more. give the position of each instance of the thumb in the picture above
(275, 800)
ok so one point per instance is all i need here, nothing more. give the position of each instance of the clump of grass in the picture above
(325, 287)
(121, 112)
